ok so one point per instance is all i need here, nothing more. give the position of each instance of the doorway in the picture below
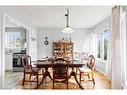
(15, 45)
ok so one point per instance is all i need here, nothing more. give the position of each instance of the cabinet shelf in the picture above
(64, 49)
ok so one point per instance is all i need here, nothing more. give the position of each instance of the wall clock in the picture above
(46, 41)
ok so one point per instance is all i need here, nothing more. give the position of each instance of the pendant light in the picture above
(67, 29)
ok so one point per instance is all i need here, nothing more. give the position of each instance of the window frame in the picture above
(7, 38)
(100, 33)
(103, 43)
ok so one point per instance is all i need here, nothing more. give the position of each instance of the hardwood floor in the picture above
(13, 80)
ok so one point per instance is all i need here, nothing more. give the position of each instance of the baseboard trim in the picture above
(100, 71)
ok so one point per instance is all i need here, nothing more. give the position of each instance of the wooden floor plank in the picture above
(14, 81)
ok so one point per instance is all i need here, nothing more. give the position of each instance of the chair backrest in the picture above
(91, 62)
(76, 55)
(26, 61)
(84, 56)
(59, 68)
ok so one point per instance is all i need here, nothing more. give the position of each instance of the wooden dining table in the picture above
(48, 64)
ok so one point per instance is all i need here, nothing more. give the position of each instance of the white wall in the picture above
(1, 65)
(32, 33)
(80, 37)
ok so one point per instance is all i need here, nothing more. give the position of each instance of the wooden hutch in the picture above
(63, 48)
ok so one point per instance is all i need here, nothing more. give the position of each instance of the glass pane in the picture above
(98, 47)
(17, 39)
(6, 40)
(11, 40)
(106, 37)
(17, 36)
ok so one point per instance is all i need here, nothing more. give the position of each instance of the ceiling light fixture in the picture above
(67, 29)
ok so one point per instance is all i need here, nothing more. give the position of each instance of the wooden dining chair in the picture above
(88, 70)
(84, 56)
(60, 71)
(29, 70)
(76, 56)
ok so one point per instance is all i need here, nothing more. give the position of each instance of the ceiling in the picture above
(54, 16)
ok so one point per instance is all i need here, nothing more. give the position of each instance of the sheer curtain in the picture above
(123, 44)
(108, 64)
(115, 49)
(118, 47)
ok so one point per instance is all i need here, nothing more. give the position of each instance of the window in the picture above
(102, 44)
(105, 40)
(98, 47)
(12, 40)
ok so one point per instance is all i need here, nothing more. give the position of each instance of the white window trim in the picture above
(100, 60)
(101, 30)
(14, 33)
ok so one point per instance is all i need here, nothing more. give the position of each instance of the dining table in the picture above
(46, 64)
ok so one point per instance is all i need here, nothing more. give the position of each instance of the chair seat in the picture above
(36, 70)
(60, 77)
(85, 70)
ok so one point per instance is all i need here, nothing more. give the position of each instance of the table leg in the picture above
(47, 73)
(74, 75)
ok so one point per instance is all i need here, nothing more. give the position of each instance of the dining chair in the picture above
(60, 71)
(88, 70)
(84, 56)
(29, 70)
(76, 56)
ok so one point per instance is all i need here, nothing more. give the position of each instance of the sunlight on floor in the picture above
(13, 80)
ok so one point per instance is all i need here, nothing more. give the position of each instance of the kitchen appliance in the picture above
(17, 61)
